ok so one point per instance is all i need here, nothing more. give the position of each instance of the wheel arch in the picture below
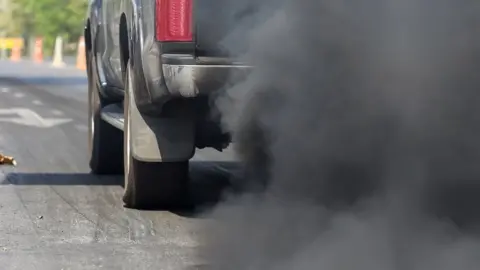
(124, 43)
(87, 33)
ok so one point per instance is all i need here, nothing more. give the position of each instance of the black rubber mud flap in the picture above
(106, 150)
(106, 153)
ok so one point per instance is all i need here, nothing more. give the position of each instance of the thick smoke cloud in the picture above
(364, 119)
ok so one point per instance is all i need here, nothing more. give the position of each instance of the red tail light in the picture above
(174, 20)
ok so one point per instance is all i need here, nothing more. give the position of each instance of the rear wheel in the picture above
(150, 184)
(104, 140)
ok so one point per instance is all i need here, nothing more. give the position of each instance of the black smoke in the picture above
(363, 120)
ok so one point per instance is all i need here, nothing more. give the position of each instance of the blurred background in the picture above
(24, 23)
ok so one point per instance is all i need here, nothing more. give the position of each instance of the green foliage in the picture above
(50, 18)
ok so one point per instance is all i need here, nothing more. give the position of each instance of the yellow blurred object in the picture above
(9, 43)
(7, 160)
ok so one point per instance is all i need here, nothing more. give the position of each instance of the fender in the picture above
(160, 139)
(155, 139)
(93, 25)
(140, 32)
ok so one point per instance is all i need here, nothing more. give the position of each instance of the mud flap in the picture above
(158, 139)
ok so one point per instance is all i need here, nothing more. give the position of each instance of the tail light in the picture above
(174, 20)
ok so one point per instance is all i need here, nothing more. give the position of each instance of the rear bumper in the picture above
(193, 80)
(186, 76)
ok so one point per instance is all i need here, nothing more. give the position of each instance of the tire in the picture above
(150, 185)
(105, 141)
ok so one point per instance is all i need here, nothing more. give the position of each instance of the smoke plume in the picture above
(363, 120)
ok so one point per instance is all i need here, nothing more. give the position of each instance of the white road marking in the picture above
(57, 112)
(81, 127)
(27, 117)
(19, 95)
(5, 90)
(37, 102)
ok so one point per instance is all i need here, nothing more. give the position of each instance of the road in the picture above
(54, 213)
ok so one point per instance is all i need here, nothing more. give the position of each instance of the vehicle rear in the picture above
(202, 42)
(208, 28)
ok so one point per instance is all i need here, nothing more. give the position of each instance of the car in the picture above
(153, 67)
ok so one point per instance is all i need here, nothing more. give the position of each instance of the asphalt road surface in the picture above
(53, 213)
